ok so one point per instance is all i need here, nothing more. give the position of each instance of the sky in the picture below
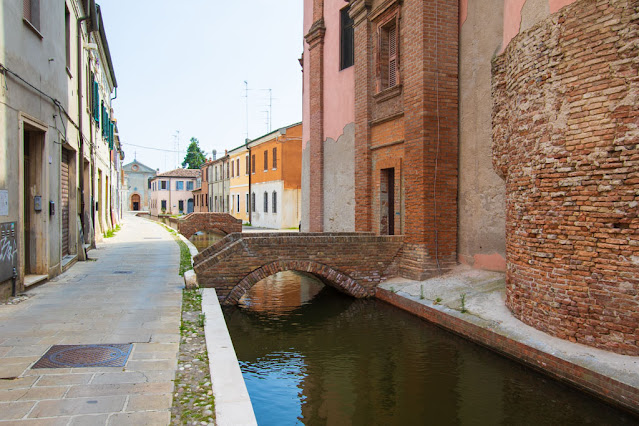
(181, 67)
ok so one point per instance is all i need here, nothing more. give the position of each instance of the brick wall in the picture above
(411, 128)
(566, 139)
(194, 222)
(353, 263)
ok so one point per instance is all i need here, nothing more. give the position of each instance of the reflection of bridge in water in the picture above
(353, 263)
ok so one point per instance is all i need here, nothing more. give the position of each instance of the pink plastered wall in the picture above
(512, 16)
(339, 86)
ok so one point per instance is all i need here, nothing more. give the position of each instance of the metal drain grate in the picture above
(74, 356)
(122, 272)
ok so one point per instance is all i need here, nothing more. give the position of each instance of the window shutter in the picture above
(26, 8)
(392, 56)
(265, 160)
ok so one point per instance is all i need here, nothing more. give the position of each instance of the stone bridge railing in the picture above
(194, 222)
(354, 263)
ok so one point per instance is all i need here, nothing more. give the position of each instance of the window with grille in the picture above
(347, 41)
(274, 158)
(388, 54)
(274, 202)
(253, 202)
(31, 12)
(265, 202)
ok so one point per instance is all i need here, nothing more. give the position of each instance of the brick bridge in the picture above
(354, 263)
(194, 222)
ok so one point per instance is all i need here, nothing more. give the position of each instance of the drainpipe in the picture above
(81, 139)
(250, 196)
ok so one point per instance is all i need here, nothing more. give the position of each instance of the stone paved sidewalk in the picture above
(131, 293)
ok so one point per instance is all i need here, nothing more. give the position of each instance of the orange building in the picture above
(201, 191)
(276, 178)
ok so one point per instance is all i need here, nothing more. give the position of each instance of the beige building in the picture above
(59, 151)
(172, 192)
(137, 184)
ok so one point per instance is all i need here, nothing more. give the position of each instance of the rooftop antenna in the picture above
(246, 96)
(177, 150)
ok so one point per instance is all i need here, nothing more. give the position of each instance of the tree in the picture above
(194, 155)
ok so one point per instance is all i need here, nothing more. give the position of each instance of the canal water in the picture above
(311, 355)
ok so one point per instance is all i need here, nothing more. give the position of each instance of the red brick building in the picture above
(407, 105)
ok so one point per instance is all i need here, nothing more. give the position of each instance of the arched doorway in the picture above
(135, 202)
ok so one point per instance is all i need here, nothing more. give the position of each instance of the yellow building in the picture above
(239, 183)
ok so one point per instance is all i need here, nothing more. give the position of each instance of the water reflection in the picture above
(202, 240)
(312, 355)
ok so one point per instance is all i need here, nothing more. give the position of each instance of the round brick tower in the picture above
(566, 141)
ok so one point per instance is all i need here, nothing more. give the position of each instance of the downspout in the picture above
(81, 138)
(250, 195)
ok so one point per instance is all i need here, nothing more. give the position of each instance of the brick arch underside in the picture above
(326, 274)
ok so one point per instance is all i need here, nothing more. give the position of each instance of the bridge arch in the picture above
(326, 274)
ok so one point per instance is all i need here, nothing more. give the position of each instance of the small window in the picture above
(253, 163)
(247, 164)
(266, 202)
(238, 203)
(149, 184)
(274, 158)
(388, 54)
(31, 9)
(67, 35)
(274, 202)
(265, 160)
(247, 202)
(347, 40)
(253, 202)
(179, 185)
(237, 167)
(181, 206)
(232, 168)
(163, 184)
(189, 185)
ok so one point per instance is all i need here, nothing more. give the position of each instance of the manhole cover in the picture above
(122, 272)
(74, 356)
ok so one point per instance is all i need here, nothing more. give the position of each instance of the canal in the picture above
(311, 355)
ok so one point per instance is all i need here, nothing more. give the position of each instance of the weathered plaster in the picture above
(481, 192)
(339, 180)
(534, 11)
(306, 202)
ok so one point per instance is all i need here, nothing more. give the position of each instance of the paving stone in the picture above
(149, 402)
(73, 406)
(89, 420)
(33, 394)
(64, 379)
(19, 383)
(119, 389)
(140, 418)
(14, 410)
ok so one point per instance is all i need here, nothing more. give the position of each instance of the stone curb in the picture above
(232, 402)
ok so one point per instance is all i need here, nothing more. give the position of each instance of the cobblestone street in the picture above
(130, 292)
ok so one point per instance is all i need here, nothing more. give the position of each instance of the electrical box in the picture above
(51, 208)
(37, 203)
(8, 250)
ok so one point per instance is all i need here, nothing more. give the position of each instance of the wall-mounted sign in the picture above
(4, 202)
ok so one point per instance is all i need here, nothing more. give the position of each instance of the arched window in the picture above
(274, 202)
(253, 202)
(265, 202)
